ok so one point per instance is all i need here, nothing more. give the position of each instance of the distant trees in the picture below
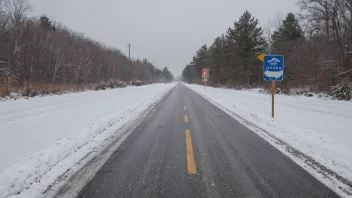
(193, 70)
(167, 75)
(40, 51)
(187, 74)
(231, 58)
(317, 45)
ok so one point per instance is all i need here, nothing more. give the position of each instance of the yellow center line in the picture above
(184, 108)
(191, 163)
(186, 118)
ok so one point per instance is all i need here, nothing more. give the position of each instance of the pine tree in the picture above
(167, 75)
(45, 22)
(158, 75)
(217, 68)
(285, 41)
(290, 30)
(243, 43)
(199, 62)
(187, 74)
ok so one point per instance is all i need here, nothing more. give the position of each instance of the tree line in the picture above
(37, 50)
(316, 43)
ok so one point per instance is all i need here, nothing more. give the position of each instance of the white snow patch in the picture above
(42, 138)
(318, 128)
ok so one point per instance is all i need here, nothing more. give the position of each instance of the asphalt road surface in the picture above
(187, 147)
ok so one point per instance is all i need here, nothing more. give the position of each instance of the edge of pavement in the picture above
(334, 181)
(71, 182)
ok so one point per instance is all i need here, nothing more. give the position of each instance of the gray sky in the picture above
(166, 32)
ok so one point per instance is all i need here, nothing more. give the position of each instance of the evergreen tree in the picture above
(158, 75)
(45, 22)
(167, 75)
(187, 74)
(290, 30)
(285, 40)
(217, 68)
(244, 42)
(199, 61)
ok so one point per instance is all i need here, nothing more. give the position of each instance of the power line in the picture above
(81, 3)
(91, 14)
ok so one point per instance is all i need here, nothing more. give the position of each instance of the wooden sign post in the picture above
(273, 98)
(273, 71)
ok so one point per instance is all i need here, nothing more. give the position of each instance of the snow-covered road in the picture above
(38, 133)
(41, 138)
(319, 128)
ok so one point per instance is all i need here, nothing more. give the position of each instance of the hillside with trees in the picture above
(316, 43)
(38, 52)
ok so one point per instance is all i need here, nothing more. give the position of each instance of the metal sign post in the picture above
(205, 75)
(273, 71)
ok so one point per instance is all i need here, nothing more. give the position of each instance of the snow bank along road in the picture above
(319, 129)
(187, 147)
(41, 138)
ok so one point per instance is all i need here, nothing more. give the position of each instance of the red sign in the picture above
(205, 73)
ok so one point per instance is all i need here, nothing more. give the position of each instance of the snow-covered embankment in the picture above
(320, 129)
(40, 134)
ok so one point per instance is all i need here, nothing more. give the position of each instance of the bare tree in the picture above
(41, 51)
(330, 21)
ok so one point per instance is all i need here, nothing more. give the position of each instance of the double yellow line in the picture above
(191, 162)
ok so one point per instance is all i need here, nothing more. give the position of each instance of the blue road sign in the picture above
(274, 67)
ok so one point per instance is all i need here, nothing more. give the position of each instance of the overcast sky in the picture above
(166, 32)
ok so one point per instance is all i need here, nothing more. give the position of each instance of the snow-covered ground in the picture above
(40, 135)
(321, 129)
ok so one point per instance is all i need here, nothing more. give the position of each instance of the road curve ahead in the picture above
(187, 147)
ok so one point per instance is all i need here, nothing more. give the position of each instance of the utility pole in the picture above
(129, 50)
(129, 56)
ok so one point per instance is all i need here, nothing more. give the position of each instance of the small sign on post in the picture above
(273, 71)
(205, 75)
(273, 68)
